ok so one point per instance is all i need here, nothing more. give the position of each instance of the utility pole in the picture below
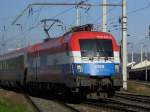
(132, 55)
(149, 32)
(3, 40)
(78, 16)
(124, 43)
(141, 52)
(146, 66)
(79, 5)
(104, 16)
(132, 52)
(19, 44)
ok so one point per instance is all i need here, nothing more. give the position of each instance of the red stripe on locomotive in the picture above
(58, 45)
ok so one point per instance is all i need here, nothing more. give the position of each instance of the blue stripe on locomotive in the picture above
(98, 69)
(88, 69)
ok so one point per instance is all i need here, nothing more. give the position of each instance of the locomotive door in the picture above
(37, 65)
(36, 56)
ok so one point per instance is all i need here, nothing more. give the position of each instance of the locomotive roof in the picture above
(66, 38)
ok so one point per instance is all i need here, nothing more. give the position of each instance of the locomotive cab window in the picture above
(96, 48)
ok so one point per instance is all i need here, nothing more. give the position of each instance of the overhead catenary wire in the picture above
(36, 25)
(54, 16)
(60, 4)
(108, 11)
(131, 12)
(29, 6)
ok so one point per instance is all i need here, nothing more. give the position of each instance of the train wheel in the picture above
(66, 94)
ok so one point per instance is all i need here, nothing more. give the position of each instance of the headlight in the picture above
(79, 67)
(117, 68)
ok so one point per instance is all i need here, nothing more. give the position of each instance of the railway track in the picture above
(35, 107)
(70, 108)
(47, 105)
(113, 107)
(54, 105)
(133, 94)
(134, 97)
(109, 105)
(130, 106)
(122, 102)
(118, 105)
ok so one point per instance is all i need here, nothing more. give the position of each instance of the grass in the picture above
(138, 88)
(10, 107)
(13, 102)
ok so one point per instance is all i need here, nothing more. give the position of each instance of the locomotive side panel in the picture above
(50, 65)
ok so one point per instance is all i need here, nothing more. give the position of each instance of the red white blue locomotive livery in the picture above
(78, 62)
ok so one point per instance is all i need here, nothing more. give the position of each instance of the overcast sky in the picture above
(14, 36)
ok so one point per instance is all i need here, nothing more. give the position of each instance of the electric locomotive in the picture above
(82, 61)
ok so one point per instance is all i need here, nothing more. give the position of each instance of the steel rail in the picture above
(133, 94)
(66, 106)
(35, 107)
(130, 105)
(117, 105)
(135, 98)
(109, 106)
